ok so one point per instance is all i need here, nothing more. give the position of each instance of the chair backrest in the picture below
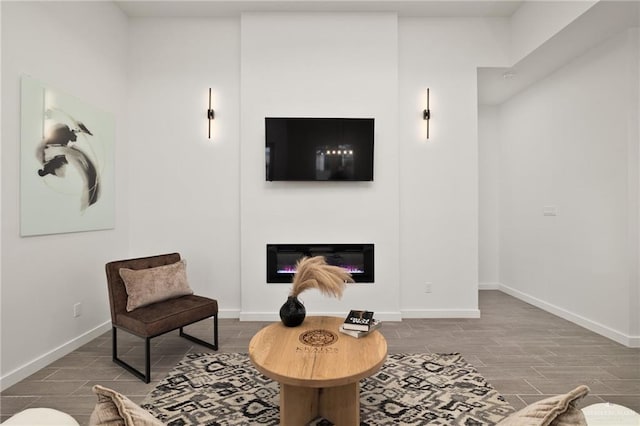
(117, 289)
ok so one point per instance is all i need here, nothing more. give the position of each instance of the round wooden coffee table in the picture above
(318, 368)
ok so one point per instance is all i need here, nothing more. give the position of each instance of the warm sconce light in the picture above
(210, 114)
(426, 114)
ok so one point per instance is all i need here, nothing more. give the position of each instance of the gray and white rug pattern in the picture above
(410, 389)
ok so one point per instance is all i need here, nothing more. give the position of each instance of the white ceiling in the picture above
(602, 21)
(418, 8)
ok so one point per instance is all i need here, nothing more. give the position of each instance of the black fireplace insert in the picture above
(358, 259)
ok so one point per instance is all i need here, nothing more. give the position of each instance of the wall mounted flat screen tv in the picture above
(319, 149)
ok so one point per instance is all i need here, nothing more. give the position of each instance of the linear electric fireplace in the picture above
(356, 258)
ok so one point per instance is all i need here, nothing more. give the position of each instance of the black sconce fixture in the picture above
(210, 114)
(426, 114)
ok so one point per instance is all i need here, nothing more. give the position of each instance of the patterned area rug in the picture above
(410, 389)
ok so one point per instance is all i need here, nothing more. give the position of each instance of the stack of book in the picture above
(359, 323)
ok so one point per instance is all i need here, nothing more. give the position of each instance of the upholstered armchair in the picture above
(150, 296)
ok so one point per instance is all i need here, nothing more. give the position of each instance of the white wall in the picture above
(634, 212)
(488, 212)
(351, 70)
(80, 49)
(184, 187)
(570, 141)
(323, 65)
(439, 177)
(2, 381)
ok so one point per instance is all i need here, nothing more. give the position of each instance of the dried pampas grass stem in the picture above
(315, 272)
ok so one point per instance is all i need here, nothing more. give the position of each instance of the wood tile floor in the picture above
(524, 352)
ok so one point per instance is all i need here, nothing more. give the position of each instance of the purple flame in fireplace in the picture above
(291, 269)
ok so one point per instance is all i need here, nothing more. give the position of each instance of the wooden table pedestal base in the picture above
(300, 405)
(318, 368)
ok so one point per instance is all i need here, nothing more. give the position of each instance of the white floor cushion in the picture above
(41, 417)
(606, 413)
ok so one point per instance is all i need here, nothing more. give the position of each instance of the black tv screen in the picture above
(319, 149)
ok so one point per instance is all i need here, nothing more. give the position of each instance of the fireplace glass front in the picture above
(358, 259)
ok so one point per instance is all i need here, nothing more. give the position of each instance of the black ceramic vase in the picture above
(292, 313)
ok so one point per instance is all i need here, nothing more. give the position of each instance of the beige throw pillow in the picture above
(115, 409)
(152, 285)
(559, 410)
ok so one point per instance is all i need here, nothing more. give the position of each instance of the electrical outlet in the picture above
(427, 288)
(77, 310)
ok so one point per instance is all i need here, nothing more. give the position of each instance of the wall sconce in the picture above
(210, 114)
(426, 114)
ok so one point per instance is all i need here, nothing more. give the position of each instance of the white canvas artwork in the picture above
(67, 163)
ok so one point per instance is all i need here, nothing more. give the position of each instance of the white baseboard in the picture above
(31, 367)
(271, 316)
(489, 286)
(440, 313)
(229, 313)
(42, 361)
(603, 330)
(381, 315)
(258, 316)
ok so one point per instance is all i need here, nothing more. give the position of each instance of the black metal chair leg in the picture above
(144, 377)
(114, 343)
(215, 332)
(213, 346)
(147, 356)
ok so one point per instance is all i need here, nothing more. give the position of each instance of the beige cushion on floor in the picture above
(115, 409)
(557, 410)
(41, 417)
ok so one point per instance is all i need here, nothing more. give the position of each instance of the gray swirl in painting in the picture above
(57, 150)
